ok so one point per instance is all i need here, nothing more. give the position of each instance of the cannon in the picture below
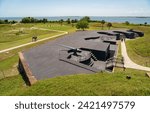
(71, 49)
(76, 54)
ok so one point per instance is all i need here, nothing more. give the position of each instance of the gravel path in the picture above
(128, 62)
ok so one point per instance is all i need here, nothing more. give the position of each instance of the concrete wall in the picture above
(25, 71)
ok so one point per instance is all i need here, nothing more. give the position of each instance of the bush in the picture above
(82, 24)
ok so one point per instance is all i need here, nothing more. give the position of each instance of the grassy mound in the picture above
(83, 84)
(139, 49)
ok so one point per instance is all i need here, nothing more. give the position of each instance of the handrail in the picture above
(114, 61)
(93, 56)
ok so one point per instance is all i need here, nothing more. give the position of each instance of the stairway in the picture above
(91, 63)
(93, 56)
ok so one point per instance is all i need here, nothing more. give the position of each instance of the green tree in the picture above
(102, 23)
(29, 20)
(86, 18)
(82, 24)
(72, 21)
(61, 21)
(109, 25)
(68, 21)
(2, 22)
(127, 23)
(75, 21)
(13, 22)
(26, 20)
(32, 20)
(6, 21)
(44, 20)
(145, 23)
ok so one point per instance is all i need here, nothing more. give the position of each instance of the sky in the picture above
(36, 8)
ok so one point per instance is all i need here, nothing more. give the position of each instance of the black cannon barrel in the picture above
(69, 47)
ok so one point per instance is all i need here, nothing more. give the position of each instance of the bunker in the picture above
(76, 53)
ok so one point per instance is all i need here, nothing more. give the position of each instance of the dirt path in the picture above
(16, 47)
(128, 62)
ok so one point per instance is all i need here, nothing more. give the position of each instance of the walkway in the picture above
(128, 62)
(16, 47)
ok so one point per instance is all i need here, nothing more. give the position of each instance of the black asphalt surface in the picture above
(44, 62)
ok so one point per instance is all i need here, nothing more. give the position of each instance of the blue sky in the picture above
(18, 8)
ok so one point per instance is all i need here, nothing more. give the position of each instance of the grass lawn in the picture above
(119, 54)
(9, 62)
(139, 49)
(11, 38)
(94, 84)
(11, 85)
(57, 26)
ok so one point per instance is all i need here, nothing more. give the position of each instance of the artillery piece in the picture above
(76, 54)
(73, 50)
(80, 57)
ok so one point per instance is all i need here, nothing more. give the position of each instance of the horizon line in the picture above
(69, 16)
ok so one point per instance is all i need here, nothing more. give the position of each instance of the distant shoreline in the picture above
(78, 16)
(119, 19)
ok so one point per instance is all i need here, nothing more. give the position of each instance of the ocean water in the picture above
(134, 20)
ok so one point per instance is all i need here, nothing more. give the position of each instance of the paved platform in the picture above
(44, 62)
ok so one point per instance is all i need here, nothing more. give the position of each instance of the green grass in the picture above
(119, 54)
(139, 48)
(11, 38)
(57, 26)
(8, 66)
(110, 84)
(9, 62)
(11, 85)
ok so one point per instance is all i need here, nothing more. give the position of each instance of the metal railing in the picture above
(117, 62)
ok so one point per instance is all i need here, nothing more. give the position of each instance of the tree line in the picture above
(7, 22)
(44, 20)
(35, 20)
(82, 24)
